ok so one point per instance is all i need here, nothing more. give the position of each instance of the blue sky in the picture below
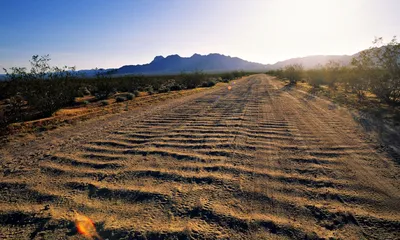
(105, 33)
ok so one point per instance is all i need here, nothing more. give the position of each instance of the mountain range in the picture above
(175, 64)
(312, 61)
(220, 63)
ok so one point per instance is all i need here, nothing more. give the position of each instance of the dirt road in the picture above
(257, 161)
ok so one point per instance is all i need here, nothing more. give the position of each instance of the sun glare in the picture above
(309, 27)
(85, 226)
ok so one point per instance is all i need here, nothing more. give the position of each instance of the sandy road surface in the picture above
(259, 161)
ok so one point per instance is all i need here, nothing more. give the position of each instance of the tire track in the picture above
(255, 160)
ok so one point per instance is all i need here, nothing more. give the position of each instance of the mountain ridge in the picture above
(176, 64)
(213, 62)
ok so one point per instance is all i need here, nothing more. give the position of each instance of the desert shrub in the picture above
(50, 95)
(120, 99)
(13, 110)
(104, 85)
(149, 90)
(276, 73)
(86, 92)
(176, 87)
(164, 89)
(355, 81)
(194, 79)
(86, 102)
(293, 72)
(104, 102)
(382, 64)
(208, 83)
(271, 72)
(170, 85)
(45, 89)
(345, 77)
(83, 91)
(315, 77)
(238, 74)
(130, 96)
(332, 73)
(227, 76)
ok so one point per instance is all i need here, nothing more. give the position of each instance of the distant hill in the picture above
(313, 61)
(93, 72)
(207, 63)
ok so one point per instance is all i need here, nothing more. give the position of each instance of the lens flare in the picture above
(86, 226)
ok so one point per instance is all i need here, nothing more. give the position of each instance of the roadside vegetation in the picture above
(38, 93)
(370, 83)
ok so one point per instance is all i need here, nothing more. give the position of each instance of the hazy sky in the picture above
(106, 33)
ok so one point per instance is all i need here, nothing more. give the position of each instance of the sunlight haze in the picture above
(199, 119)
(108, 34)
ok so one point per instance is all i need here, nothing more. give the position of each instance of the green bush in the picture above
(379, 69)
(208, 83)
(130, 96)
(120, 99)
(176, 87)
(277, 73)
(104, 102)
(103, 90)
(194, 79)
(45, 89)
(13, 110)
(227, 77)
(136, 92)
(332, 73)
(315, 77)
(149, 90)
(164, 89)
(293, 72)
(83, 91)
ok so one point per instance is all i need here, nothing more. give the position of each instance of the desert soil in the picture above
(256, 161)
